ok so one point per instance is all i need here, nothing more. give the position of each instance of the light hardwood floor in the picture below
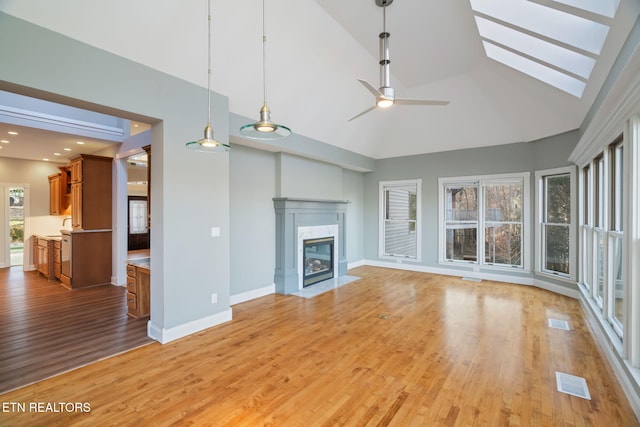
(394, 348)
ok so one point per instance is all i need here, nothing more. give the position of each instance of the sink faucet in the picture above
(65, 220)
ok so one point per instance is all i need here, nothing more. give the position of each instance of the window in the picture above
(603, 240)
(461, 221)
(599, 193)
(491, 208)
(616, 233)
(400, 214)
(555, 216)
(586, 229)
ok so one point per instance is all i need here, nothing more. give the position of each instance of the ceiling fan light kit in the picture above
(264, 129)
(208, 144)
(385, 95)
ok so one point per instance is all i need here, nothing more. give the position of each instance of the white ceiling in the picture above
(317, 49)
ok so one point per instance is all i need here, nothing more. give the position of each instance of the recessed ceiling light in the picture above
(67, 149)
(45, 159)
(56, 154)
(4, 141)
(12, 132)
(80, 142)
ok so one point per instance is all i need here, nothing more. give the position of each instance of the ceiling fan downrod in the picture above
(385, 74)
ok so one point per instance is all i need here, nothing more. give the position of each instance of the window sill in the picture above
(484, 267)
(399, 259)
(556, 277)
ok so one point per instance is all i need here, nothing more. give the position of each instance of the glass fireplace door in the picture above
(318, 260)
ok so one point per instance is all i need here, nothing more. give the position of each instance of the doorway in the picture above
(14, 206)
(16, 226)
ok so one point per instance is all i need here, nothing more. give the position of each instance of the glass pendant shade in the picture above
(208, 144)
(265, 129)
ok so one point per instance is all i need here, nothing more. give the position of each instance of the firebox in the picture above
(318, 260)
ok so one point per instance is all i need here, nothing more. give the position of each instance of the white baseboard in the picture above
(253, 294)
(355, 264)
(164, 335)
(507, 278)
(626, 375)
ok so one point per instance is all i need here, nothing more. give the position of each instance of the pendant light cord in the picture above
(264, 56)
(209, 63)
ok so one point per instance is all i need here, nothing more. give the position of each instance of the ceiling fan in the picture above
(385, 95)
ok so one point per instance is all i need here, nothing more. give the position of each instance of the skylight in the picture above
(551, 45)
(605, 8)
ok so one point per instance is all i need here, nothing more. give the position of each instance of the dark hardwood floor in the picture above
(46, 329)
(395, 348)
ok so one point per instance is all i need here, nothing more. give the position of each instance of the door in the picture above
(138, 230)
(12, 215)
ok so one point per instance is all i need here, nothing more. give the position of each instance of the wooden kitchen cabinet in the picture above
(59, 197)
(44, 256)
(90, 192)
(138, 290)
(90, 259)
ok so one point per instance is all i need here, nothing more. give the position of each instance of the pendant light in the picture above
(264, 129)
(208, 144)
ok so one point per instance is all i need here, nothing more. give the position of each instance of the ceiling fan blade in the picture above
(405, 101)
(363, 113)
(370, 88)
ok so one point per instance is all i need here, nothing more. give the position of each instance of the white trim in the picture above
(165, 335)
(518, 280)
(252, 294)
(631, 240)
(40, 120)
(609, 121)
(356, 264)
(626, 374)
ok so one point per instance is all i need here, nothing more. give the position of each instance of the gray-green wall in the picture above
(190, 191)
(511, 158)
(33, 173)
(259, 176)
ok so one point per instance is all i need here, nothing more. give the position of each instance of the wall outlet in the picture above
(214, 298)
(215, 231)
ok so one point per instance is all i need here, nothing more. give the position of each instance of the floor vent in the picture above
(570, 384)
(559, 324)
(472, 279)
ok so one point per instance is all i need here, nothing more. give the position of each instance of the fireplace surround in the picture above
(298, 220)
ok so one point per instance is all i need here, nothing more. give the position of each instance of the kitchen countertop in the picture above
(101, 230)
(140, 262)
(49, 237)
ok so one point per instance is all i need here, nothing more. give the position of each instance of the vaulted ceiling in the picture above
(317, 49)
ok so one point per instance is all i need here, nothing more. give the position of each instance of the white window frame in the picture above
(539, 229)
(382, 186)
(526, 221)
